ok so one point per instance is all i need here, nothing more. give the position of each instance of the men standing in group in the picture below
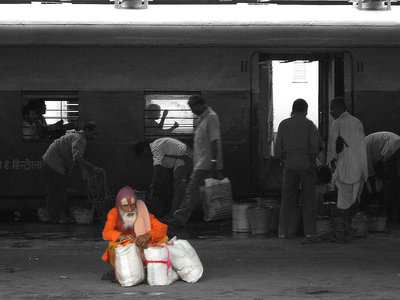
(207, 157)
(347, 153)
(169, 155)
(297, 148)
(383, 150)
(61, 156)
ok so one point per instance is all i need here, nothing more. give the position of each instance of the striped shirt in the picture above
(63, 153)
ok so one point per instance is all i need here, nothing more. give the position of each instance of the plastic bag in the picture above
(185, 260)
(128, 265)
(159, 266)
(216, 199)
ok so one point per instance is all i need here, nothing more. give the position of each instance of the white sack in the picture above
(185, 260)
(128, 265)
(159, 267)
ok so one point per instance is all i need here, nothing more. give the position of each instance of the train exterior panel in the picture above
(110, 59)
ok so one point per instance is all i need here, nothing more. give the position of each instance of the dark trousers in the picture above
(192, 195)
(162, 192)
(168, 185)
(298, 186)
(56, 198)
(181, 177)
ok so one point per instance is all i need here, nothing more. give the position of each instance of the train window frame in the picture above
(48, 126)
(185, 118)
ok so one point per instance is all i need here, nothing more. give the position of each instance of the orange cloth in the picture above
(113, 229)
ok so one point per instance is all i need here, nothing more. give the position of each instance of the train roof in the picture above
(171, 25)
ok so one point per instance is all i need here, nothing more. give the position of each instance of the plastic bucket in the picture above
(259, 219)
(82, 216)
(376, 224)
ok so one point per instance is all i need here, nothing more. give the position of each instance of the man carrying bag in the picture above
(207, 157)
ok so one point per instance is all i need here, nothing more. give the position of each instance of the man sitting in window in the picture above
(61, 156)
(53, 131)
(153, 113)
(30, 123)
(168, 154)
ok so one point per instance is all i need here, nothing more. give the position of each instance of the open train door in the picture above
(315, 77)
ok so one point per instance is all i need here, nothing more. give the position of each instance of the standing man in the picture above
(383, 150)
(297, 146)
(207, 157)
(347, 153)
(168, 154)
(61, 156)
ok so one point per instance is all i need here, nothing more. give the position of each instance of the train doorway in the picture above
(292, 80)
(278, 80)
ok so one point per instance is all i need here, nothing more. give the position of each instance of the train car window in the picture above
(46, 116)
(168, 115)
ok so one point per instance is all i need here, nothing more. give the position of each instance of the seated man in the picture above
(131, 220)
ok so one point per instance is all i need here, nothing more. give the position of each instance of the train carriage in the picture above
(97, 63)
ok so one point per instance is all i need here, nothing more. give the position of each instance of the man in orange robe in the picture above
(130, 220)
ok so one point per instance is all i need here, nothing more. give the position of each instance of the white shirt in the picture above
(169, 146)
(380, 147)
(207, 131)
(351, 164)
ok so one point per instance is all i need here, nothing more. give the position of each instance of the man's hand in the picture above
(124, 237)
(98, 170)
(165, 113)
(59, 123)
(176, 125)
(143, 240)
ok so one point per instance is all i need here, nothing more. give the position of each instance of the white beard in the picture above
(128, 221)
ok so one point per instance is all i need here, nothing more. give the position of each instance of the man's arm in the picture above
(333, 135)
(81, 161)
(314, 144)
(110, 233)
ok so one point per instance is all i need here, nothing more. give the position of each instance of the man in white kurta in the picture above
(351, 163)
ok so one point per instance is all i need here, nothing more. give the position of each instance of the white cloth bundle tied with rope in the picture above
(159, 266)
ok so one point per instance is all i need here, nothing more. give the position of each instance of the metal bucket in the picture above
(275, 205)
(259, 218)
(240, 221)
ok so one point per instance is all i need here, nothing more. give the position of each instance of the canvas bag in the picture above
(159, 266)
(185, 260)
(216, 197)
(128, 265)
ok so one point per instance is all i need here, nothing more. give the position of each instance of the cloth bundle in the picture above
(159, 266)
(128, 265)
(185, 260)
